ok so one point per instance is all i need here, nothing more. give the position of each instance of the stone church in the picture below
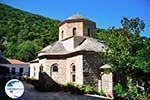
(75, 57)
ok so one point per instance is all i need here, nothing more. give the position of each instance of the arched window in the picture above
(34, 71)
(74, 31)
(55, 69)
(41, 68)
(88, 31)
(73, 78)
(62, 34)
(73, 73)
(73, 68)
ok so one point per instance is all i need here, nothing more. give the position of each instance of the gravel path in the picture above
(31, 94)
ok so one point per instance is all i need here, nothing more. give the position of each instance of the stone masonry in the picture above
(75, 57)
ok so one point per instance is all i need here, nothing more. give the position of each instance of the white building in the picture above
(16, 67)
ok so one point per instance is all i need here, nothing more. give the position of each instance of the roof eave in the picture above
(75, 20)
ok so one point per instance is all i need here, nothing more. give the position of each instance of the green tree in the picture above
(27, 50)
(17, 26)
(11, 50)
(127, 53)
(133, 25)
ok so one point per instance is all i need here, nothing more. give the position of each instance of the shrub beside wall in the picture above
(70, 87)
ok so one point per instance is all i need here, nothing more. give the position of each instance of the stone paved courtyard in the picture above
(31, 94)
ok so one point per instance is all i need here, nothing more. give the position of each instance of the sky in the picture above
(106, 13)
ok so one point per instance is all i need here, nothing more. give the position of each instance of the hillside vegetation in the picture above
(23, 35)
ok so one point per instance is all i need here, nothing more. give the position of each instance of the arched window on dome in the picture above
(88, 31)
(74, 31)
(62, 34)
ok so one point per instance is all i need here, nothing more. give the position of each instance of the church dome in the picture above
(76, 16)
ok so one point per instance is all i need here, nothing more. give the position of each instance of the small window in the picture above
(73, 68)
(73, 78)
(34, 71)
(41, 68)
(13, 70)
(62, 34)
(55, 69)
(74, 31)
(88, 31)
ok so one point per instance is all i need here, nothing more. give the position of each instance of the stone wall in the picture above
(87, 71)
(59, 76)
(92, 28)
(91, 68)
(67, 29)
(77, 61)
(63, 75)
(92, 63)
(34, 70)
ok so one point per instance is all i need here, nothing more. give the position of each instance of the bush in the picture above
(64, 88)
(87, 89)
(144, 96)
(119, 90)
(130, 92)
(27, 79)
(73, 88)
(102, 93)
(70, 87)
(90, 90)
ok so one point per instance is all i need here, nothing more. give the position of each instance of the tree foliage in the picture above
(19, 27)
(128, 52)
(134, 25)
(126, 49)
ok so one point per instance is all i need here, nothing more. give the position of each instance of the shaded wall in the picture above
(91, 68)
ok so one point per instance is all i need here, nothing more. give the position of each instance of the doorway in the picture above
(20, 71)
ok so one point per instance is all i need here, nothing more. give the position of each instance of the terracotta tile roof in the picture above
(15, 61)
